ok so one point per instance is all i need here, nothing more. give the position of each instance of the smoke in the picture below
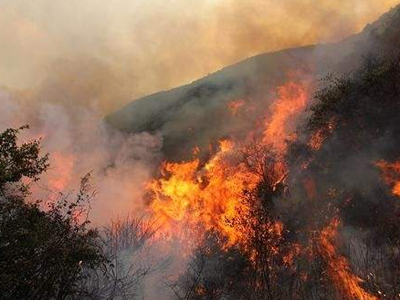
(79, 142)
(66, 64)
(108, 53)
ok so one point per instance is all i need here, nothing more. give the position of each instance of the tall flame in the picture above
(291, 101)
(191, 197)
(200, 198)
(338, 267)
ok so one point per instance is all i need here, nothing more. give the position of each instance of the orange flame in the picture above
(338, 267)
(316, 140)
(295, 251)
(391, 175)
(191, 198)
(319, 136)
(291, 102)
(201, 198)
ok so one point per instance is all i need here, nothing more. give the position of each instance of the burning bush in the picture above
(303, 216)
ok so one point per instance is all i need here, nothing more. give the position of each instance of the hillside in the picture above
(196, 114)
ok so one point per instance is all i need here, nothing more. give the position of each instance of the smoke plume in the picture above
(108, 53)
(79, 142)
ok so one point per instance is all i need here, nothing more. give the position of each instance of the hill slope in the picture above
(197, 114)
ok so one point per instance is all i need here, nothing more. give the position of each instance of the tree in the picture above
(43, 252)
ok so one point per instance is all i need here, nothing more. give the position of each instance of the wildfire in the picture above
(234, 106)
(192, 197)
(201, 198)
(391, 175)
(338, 267)
(294, 252)
(291, 102)
(316, 140)
(319, 136)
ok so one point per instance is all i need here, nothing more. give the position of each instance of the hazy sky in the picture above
(109, 52)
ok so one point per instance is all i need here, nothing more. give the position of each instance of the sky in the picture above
(107, 53)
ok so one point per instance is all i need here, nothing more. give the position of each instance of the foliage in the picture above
(43, 252)
(364, 102)
(17, 162)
